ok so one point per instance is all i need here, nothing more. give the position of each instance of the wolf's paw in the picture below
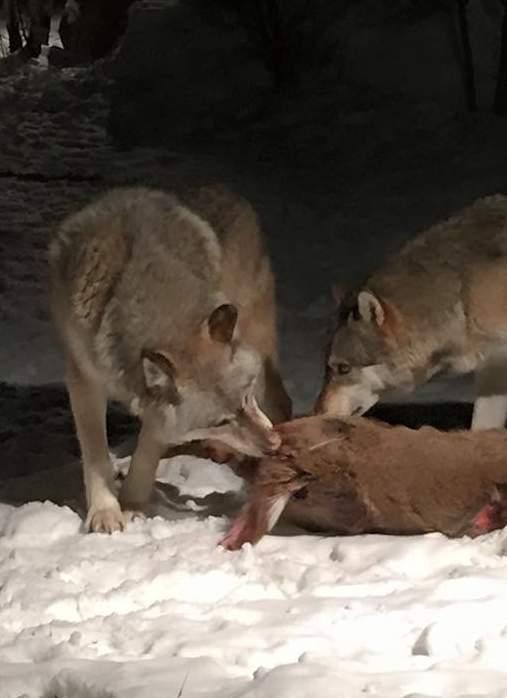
(105, 520)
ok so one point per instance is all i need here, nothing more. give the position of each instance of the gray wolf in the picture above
(439, 305)
(165, 303)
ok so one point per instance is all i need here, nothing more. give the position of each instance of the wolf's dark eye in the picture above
(343, 368)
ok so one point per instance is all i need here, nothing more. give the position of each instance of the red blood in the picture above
(488, 519)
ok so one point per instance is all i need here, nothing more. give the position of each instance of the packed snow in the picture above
(161, 610)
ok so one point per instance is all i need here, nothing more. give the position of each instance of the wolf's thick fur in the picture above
(166, 304)
(438, 305)
(358, 475)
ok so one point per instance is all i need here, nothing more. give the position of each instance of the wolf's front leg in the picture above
(89, 403)
(490, 407)
(138, 485)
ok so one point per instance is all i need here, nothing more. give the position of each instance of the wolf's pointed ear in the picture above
(222, 323)
(370, 308)
(159, 376)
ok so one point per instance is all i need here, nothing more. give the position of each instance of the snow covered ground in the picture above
(160, 610)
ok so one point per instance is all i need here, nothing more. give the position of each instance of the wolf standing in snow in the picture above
(165, 304)
(438, 305)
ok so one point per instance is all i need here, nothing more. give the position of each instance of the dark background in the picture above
(350, 126)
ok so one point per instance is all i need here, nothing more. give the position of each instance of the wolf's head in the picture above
(363, 358)
(207, 389)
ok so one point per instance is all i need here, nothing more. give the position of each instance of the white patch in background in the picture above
(198, 477)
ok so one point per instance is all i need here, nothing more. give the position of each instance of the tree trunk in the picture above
(38, 16)
(93, 33)
(13, 28)
(468, 62)
(500, 105)
(270, 25)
